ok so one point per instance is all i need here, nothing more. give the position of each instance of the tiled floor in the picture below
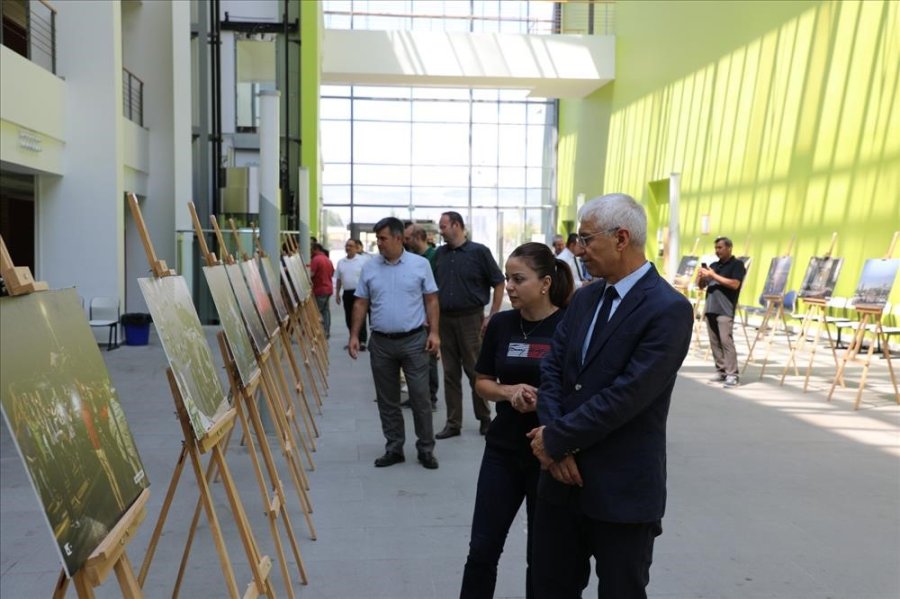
(772, 493)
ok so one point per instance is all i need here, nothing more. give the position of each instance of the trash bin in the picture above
(137, 328)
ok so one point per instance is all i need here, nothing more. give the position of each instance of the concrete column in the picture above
(269, 196)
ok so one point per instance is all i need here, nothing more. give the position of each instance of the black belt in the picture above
(399, 335)
(464, 311)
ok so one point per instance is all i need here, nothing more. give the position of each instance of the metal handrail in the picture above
(132, 97)
(38, 43)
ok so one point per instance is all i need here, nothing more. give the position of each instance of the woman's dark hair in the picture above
(541, 260)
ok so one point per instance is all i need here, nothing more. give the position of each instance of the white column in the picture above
(303, 210)
(674, 232)
(269, 197)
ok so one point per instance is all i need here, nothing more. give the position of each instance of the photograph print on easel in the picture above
(875, 283)
(821, 277)
(776, 280)
(260, 296)
(232, 323)
(187, 350)
(66, 420)
(248, 310)
(685, 273)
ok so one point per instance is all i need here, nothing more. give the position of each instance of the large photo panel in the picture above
(66, 420)
(875, 283)
(821, 277)
(187, 351)
(232, 323)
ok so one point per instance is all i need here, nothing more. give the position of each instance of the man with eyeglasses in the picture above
(606, 386)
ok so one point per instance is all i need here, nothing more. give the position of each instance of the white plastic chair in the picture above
(104, 312)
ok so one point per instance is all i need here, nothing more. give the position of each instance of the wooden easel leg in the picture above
(865, 371)
(887, 357)
(852, 347)
(62, 585)
(82, 586)
(759, 332)
(163, 514)
(299, 388)
(127, 582)
(801, 343)
(289, 411)
(812, 353)
(259, 566)
(287, 448)
(310, 375)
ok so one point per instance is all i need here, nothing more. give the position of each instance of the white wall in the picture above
(80, 215)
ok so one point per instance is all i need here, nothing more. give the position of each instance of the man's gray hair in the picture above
(617, 210)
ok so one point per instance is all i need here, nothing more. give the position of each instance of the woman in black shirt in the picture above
(508, 372)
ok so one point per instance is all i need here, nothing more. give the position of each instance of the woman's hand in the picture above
(523, 398)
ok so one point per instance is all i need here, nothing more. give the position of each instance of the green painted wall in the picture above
(782, 118)
(310, 77)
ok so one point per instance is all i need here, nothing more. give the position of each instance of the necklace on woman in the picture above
(534, 328)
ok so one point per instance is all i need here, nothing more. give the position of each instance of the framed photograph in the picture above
(187, 350)
(288, 287)
(232, 322)
(302, 284)
(65, 418)
(260, 296)
(248, 310)
(820, 278)
(274, 289)
(685, 274)
(875, 283)
(776, 280)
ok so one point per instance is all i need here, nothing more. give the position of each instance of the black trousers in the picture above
(348, 299)
(507, 477)
(564, 541)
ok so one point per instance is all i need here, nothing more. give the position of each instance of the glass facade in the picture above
(416, 152)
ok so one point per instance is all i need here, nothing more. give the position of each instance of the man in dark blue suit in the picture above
(603, 402)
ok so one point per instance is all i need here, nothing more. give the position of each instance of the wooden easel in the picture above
(243, 393)
(284, 321)
(816, 312)
(110, 553)
(192, 447)
(276, 405)
(774, 309)
(871, 320)
(307, 315)
(275, 367)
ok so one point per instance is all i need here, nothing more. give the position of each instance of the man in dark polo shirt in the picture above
(722, 280)
(466, 272)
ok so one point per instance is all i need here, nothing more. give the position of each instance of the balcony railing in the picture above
(586, 17)
(29, 29)
(132, 97)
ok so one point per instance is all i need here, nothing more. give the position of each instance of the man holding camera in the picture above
(722, 280)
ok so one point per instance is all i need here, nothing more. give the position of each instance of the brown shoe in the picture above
(447, 433)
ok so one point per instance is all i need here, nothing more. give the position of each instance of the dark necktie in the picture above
(603, 316)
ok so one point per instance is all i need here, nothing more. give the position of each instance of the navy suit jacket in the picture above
(610, 411)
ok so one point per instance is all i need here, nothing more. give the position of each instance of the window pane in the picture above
(332, 108)
(380, 174)
(484, 112)
(483, 228)
(384, 195)
(482, 196)
(535, 178)
(534, 196)
(381, 143)
(537, 114)
(335, 194)
(511, 177)
(335, 141)
(440, 175)
(535, 151)
(511, 143)
(381, 110)
(511, 113)
(484, 145)
(484, 176)
(511, 196)
(440, 93)
(381, 92)
(441, 112)
(335, 173)
(335, 90)
(440, 144)
(451, 198)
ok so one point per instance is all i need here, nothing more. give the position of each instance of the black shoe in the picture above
(428, 461)
(485, 425)
(447, 433)
(389, 459)
(406, 404)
